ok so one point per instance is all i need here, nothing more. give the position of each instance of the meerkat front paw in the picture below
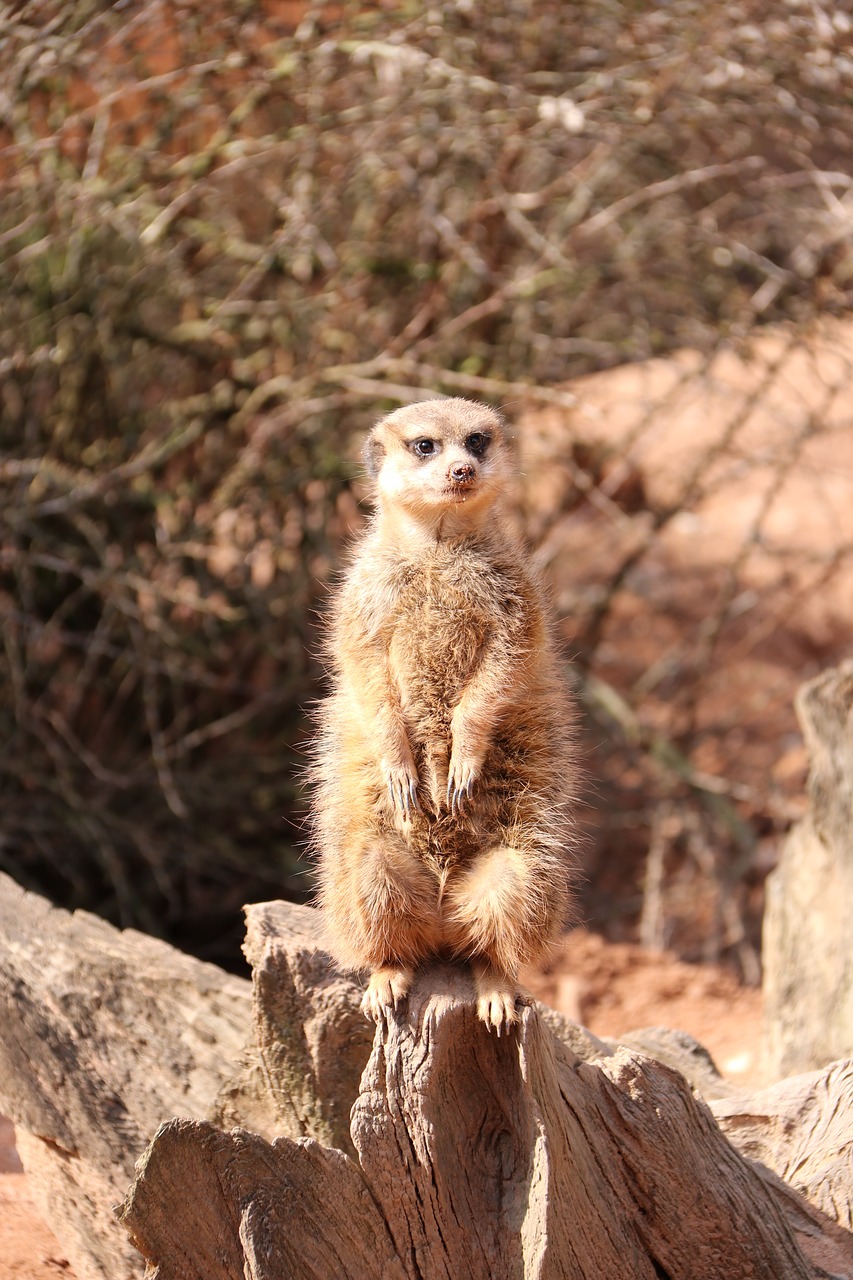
(466, 760)
(461, 777)
(387, 988)
(396, 763)
(401, 780)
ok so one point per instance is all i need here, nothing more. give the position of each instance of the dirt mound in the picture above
(616, 988)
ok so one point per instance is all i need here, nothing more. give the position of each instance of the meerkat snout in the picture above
(462, 473)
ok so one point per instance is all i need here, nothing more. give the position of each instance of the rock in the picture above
(808, 942)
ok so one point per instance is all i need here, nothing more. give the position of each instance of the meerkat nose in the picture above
(463, 473)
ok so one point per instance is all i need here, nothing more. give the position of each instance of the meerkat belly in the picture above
(434, 653)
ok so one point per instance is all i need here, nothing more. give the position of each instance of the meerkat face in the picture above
(439, 456)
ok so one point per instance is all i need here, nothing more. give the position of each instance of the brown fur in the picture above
(445, 768)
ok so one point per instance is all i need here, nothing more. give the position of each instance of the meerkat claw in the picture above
(497, 1010)
(402, 791)
(459, 791)
(387, 989)
(497, 996)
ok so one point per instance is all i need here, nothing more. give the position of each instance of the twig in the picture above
(667, 187)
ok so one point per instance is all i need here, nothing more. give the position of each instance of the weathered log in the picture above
(481, 1157)
(310, 1040)
(542, 1153)
(808, 941)
(106, 1033)
(800, 1129)
(102, 1035)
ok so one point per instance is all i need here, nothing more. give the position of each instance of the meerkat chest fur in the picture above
(444, 610)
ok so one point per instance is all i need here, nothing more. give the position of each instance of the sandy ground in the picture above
(28, 1248)
(611, 988)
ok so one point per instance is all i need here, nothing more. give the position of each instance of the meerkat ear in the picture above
(373, 453)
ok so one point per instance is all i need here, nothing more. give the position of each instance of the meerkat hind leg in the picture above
(396, 918)
(491, 916)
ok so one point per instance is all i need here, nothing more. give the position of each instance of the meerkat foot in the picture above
(496, 998)
(497, 1009)
(387, 988)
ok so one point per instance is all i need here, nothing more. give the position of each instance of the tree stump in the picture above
(424, 1147)
(481, 1157)
(808, 941)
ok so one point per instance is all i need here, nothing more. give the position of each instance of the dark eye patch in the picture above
(423, 447)
(477, 443)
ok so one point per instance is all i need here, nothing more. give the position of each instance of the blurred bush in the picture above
(230, 235)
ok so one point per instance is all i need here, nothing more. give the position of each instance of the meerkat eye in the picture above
(424, 448)
(477, 443)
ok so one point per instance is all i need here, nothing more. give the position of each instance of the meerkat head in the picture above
(440, 457)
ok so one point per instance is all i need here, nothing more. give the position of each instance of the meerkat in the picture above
(445, 766)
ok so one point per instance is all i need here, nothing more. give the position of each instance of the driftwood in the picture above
(545, 1153)
(808, 941)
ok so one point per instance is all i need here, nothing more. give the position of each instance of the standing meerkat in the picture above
(445, 767)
